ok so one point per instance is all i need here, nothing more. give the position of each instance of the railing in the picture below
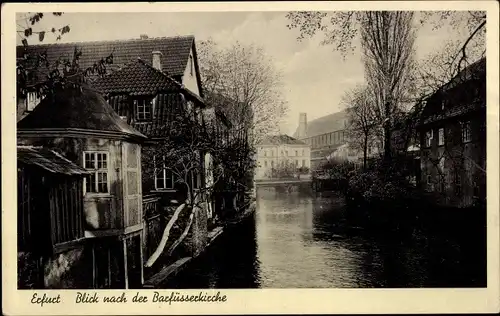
(153, 224)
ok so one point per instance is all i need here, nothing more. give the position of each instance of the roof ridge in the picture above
(112, 41)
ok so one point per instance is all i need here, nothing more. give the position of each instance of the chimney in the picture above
(144, 36)
(157, 59)
(302, 130)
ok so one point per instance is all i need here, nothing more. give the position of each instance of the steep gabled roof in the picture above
(175, 54)
(281, 140)
(326, 124)
(74, 110)
(175, 51)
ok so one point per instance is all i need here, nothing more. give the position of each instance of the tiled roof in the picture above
(74, 109)
(137, 78)
(326, 124)
(477, 70)
(174, 60)
(48, 160)
(473, 71)
(281, 139)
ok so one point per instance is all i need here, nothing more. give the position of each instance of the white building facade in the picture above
(282, 154)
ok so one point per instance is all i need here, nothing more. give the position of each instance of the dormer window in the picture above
(143, 109)
(31, 101)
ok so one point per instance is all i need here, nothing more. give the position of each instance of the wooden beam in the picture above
(125, 268)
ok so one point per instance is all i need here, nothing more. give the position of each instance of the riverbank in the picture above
(171, 270)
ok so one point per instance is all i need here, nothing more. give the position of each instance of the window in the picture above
(428, 138)
(97, 181)
(164, 178)
(143, 109)
(303, 152)
(296, 153)
(303, 163)
(272, 164)
(466, 132)
(265, 163)
(296, 163)
(441, 137)
(31, 101)
(265, 153)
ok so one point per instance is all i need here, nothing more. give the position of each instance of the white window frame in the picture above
(96, 170)
(164, 174)
(465, 131)
(31, 101)
(139, 104)
(429, 135)
(441, 137)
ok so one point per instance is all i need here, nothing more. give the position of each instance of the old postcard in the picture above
(281, 157)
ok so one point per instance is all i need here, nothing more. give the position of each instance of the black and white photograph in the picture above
(252, 149)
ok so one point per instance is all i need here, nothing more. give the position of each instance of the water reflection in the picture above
(297, 241)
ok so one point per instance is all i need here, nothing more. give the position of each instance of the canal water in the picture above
(296, 241)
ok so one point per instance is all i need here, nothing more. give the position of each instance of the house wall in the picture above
(122, 205)
(269, 156)
(190, 79)
(462, 159)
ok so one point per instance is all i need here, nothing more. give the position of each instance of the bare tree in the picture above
(245, 82)
(181, 153)
(387, 39)
(362, 119)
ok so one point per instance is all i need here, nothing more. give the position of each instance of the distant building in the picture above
(324, 135)
(453, 139)
(277, 153)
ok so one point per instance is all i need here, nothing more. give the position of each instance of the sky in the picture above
(314, 76)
